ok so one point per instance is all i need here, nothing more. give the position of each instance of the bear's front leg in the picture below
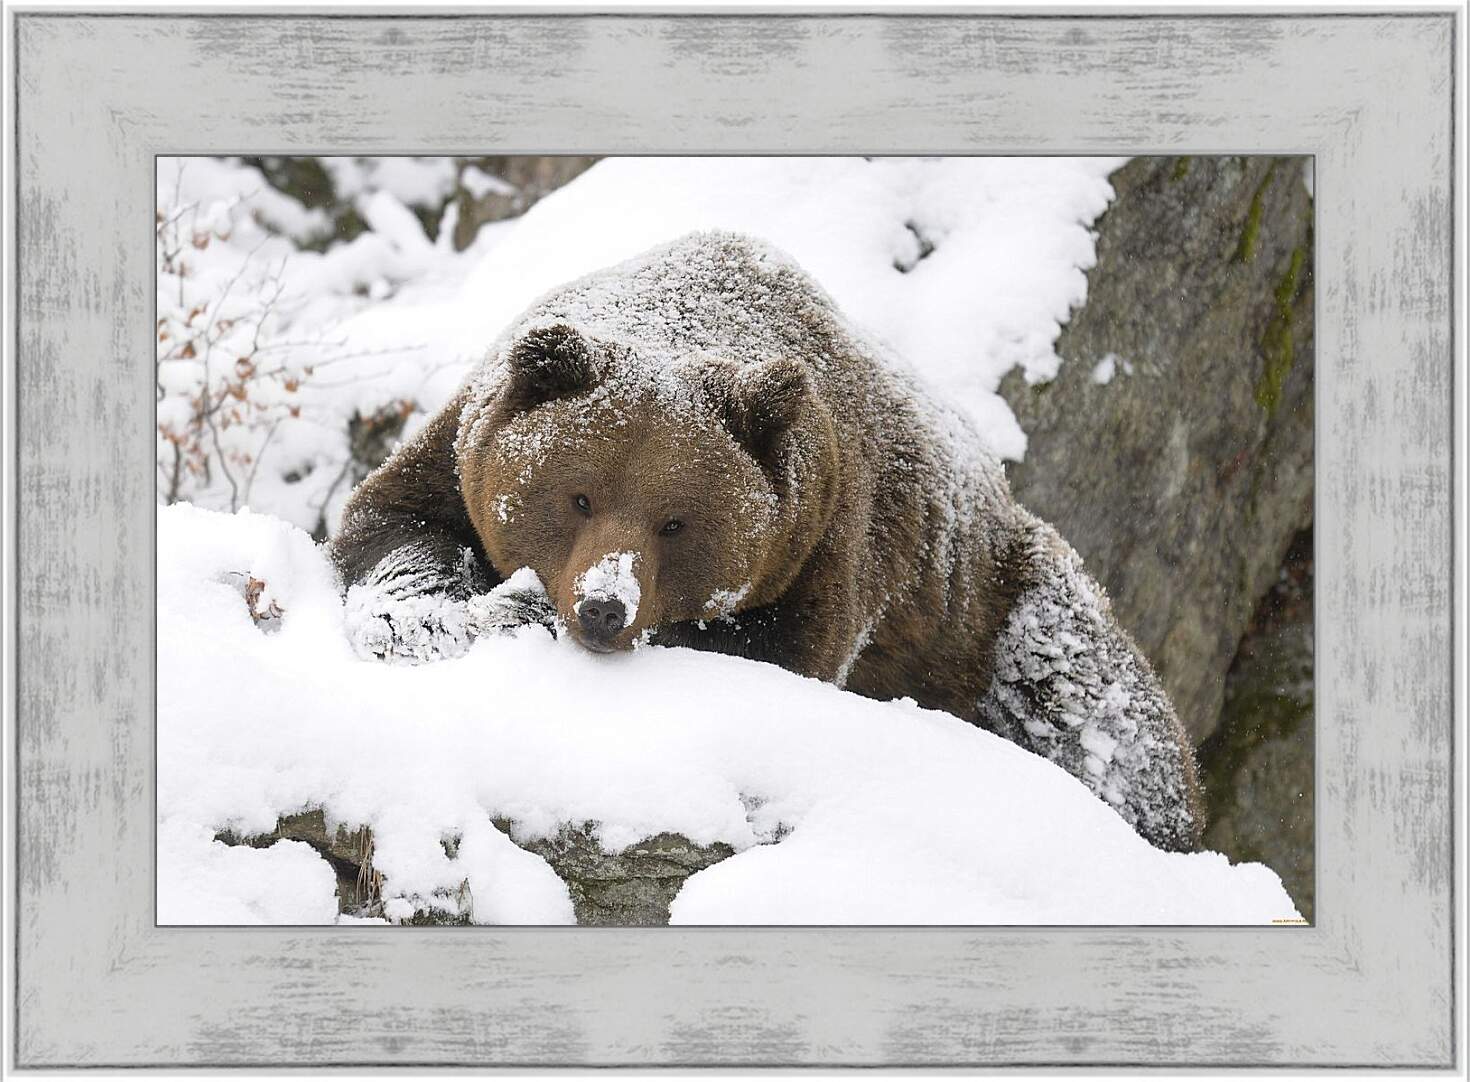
(418, 585)
(1070, 685)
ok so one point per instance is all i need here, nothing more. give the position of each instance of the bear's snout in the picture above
(602, 617)
(605, 604)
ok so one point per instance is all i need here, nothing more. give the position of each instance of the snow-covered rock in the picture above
(838, 809)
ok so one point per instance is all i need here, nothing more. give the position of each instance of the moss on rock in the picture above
(1278, 344)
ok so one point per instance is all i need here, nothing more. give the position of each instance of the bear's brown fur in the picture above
(775, 486)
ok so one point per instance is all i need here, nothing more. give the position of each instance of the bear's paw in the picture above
(384, 624)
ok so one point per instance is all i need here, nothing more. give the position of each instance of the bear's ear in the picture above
(546, 364)
(763, 402)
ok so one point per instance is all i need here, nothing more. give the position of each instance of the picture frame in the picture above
(98, 96)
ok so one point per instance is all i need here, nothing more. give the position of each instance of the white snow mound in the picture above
(885, 813)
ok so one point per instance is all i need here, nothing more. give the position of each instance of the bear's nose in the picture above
(602, 617)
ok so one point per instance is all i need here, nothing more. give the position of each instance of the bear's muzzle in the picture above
(601, 620)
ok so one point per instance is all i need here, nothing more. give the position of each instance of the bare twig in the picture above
(260, 454)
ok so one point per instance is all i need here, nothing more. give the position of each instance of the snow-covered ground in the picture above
(886, 813)
(895, 814)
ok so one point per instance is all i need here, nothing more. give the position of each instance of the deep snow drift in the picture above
(886, 813)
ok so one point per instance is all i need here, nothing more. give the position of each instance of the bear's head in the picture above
(647, 493)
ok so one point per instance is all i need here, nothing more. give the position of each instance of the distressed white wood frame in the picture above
(99, 96)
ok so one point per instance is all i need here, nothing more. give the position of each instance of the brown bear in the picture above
(695, 448)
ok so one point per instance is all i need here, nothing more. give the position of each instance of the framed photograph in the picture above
(947, 518)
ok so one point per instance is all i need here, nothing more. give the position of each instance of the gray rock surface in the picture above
(1257, 769)
(1182, 479)
(631, 888)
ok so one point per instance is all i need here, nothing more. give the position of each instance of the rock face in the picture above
(1257, 770)
(1174, 448)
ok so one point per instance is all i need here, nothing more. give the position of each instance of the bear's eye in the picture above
(584, 505)
(671, 527)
